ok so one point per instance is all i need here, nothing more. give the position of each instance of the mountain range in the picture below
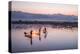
(18, 15)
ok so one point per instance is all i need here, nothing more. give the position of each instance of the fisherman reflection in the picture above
(45, 32)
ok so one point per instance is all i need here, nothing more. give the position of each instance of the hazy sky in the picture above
(44, 8)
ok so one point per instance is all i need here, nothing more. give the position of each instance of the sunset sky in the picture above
(45, 8)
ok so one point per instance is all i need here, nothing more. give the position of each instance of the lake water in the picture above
(55, 37)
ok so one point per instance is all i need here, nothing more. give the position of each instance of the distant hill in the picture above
(18, 15)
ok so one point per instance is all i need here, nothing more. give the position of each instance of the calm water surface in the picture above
(55, 38)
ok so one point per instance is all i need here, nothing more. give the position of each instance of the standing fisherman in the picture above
(45, 32)
(39, 33)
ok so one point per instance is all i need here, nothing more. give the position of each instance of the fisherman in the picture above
(39, 33)
(25, 33)
(31, 36)
(31, 32)
(44, 31)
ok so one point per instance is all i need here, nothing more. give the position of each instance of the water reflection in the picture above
(36, 37)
